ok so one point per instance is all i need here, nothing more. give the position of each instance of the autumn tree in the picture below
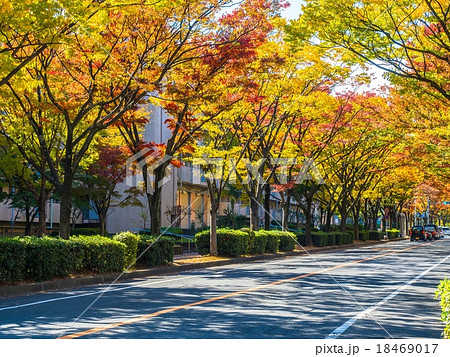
(409, 39)
(196, 92)
(29, 183)
(97, 186)
(90, 80)
(28, 28)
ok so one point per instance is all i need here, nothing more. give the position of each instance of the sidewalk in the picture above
(184, 262)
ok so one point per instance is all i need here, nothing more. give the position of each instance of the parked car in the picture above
(419, 233)
(434, 229)
(446, 231)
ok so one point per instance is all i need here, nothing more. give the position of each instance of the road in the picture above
(383, 291)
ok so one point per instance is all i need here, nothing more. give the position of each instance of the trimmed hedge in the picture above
(256, 242)
(319, 239)
(376, 235)
(154, 251)
(331, 238)
(101, 254)
(33, 258)
(363, 236)
(443, 292)
(392, 233)
(230, 242)
(301, 238)
(286, 240)
(12, 260)
(272, 241)
(131, 242)
(202, 240)
(343, 238)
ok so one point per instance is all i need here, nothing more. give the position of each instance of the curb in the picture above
(26, 289)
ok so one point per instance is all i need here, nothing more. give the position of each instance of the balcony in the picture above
(191, 175)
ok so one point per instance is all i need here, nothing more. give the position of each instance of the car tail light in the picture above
(410, 232)
(423, 232)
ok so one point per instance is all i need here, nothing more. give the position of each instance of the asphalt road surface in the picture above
(383, 291)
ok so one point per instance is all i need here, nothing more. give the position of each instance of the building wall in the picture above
(8, 228)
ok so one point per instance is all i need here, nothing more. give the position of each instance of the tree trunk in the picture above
(102, 223)
(65, 208)
(155, 211)
(213, 230)
(366, 215)
(286, 206)
(308, 226)
(154, 199)
(356, 211)
(344, 214)
(27, 220)
(267, 217)
(254, 214)
(42, 203)
(329, 214)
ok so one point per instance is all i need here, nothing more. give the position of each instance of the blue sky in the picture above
(293, 11)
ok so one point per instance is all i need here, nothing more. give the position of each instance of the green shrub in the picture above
(286, 239)
(32, 258)
(272, 241)
(341, 238)
(443, 293)
(350, 233)
(319, 239)
(301, 238)
(375, 235)
(48, 258)
(363, 236)
(86, 232)
(392, 233)
(101, 254)
(260, 243)
(154, 251)
(202, 240)
(256, 242)
(131, 242)
(12, 260)
(331, 238)
(334, 228)
(230, 242)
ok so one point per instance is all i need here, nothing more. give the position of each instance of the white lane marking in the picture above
(341, 329)
(89, 294)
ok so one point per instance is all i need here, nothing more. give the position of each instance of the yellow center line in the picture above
(226, 296)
